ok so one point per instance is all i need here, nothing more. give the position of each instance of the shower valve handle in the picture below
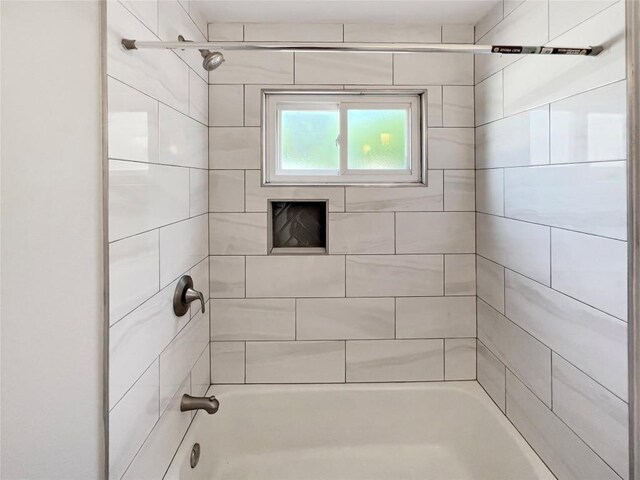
(184, 295)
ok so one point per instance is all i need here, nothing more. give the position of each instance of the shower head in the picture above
(211, 60)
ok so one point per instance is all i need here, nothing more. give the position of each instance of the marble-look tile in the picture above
(588, 197)
(133, 124)
(459, 190)
(177, 360)
(137, 340)
(490, 191)
(394, 360)
(198, 192)
(145, 10)
(590, 127)
(226, 105)
(198, 16)
(566, 14)
(227, 362)
(295, 362)
(519, 140)
(361, 233)
(511, 5)
(158, 449)
(253, 99)
(254, 67)
(521, 246)
(173, 20)
(145, 196)
(226, 190)
(238, 234)
(183, 141)
(460, 359)
(593, 341)
(590, 269)
(459, 275)
(433, 69)
(158, 73)
(345, 318)
(537, 81)
(457, 33)
(200, 276)
(293, 32)
(253, 319)
(226, 277)
(296, 276)
(376, 199)
(133, 273)
(132, 420)
(344, 68)
(490, 20)
(525, 25)
(560, 448)
(382, 33)
(435, 232)
(182, 245)
(490, 278)
(257, 196)
(491, 374)
(435, 317)
(394, 275)
(225, 32)
(451, 148)
(234, 148)
(600, 418)
(457, 106)
(523, 354)
(488, 99)
(198, 98)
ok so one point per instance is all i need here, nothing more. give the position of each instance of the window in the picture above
(344, 137)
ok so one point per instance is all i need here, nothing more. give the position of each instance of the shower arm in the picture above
(130, 44)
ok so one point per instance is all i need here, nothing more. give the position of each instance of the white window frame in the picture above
(276, 101)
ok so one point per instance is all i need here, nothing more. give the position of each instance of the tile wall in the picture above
(394, 300)
(158, 231)
(551, 233)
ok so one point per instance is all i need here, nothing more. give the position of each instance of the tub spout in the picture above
(209, 404)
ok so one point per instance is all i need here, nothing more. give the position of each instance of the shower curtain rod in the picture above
(130, 44)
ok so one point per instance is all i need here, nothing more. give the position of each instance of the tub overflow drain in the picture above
(195, 455)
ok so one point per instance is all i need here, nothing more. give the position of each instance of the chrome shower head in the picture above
(211, 60)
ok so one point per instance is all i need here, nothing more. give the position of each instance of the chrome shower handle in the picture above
(184, 295)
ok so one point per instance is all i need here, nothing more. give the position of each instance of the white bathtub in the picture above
(356, 432)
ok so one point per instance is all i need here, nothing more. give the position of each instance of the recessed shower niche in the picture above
(298, 227)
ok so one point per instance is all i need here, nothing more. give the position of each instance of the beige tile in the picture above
(459, 275)
(296, 276)
(182, 246)
(293, 32)
(242, 66)
(457, 34)
(198, 192)
(226, 105)
(394, 360)
(490, 191)
(394, 275)
(253, 319)
(457, 106)
(227, 362)
(433, 69)
(491, 374)
(295, 362)
(435, 317)
(234, 148)
(343, 68)
(238, 233)
(459, 190)
(226, 277)
(345, 318)
(490, 20)
(380, 33)
(182, 141)
(529, 359)
(490, 278)
(489, 99)
(226, 190)
(225, 32)
(451, 148)
(435, 232)
(361, 233)
(460, 359)
(565, 14)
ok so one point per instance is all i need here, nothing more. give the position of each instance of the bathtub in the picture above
(401, 431)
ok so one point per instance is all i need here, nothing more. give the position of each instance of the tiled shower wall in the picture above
(394, 300)
(158, 228)
(551, 233)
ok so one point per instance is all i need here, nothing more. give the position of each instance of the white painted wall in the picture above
(51, 300)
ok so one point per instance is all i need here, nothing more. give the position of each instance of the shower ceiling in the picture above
(346, 11)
